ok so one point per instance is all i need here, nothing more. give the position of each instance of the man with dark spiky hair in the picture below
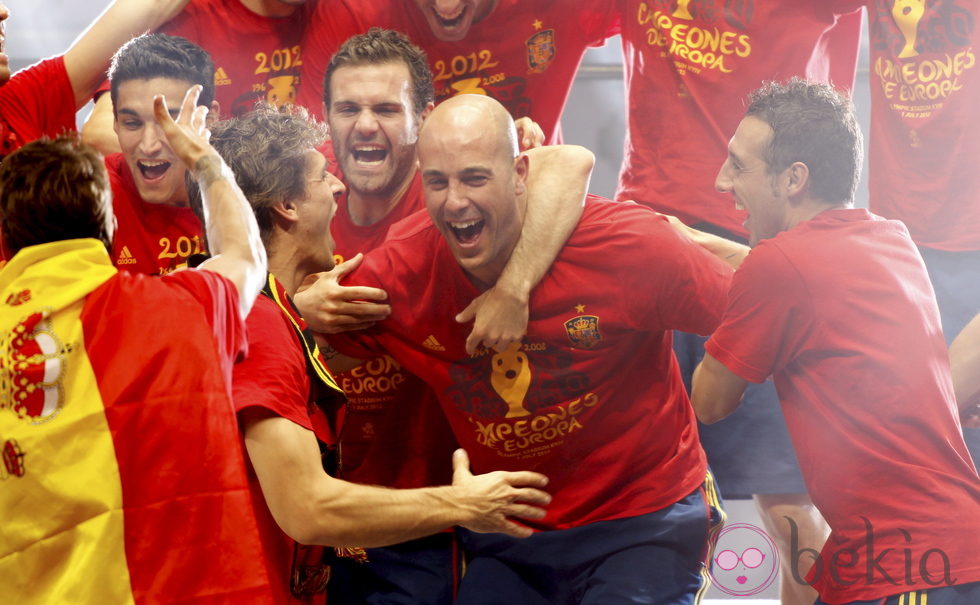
(157, 230)
(853, 341)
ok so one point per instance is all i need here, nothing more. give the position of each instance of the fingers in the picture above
(347, 266)
(467, 314)
(363, 294)
(528, 479)
(162, 113)
(514, 530)
(461, 465)
(190, 100)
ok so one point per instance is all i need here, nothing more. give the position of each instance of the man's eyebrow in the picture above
(432, 172)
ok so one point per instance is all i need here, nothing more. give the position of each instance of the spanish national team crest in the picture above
(583, 331)
(541, 50)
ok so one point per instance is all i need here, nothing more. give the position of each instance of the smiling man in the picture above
(157, 231)
(523, 54)
(591, 396)
(378, 93)
(835, 303)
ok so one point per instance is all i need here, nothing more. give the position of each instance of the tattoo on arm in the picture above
(210, 169)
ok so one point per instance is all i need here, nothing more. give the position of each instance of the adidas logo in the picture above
(221, 78)
(432, 343)
(125, 257)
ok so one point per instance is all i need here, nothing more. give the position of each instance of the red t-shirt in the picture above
(255, 58)
(274, 377)
(150, 238)
(395, 434)
(593, 398)
(854, 345)
(925, 89)
(687, 77)
(36, 101)
(524, 54)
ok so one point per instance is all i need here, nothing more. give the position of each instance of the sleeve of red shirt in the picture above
(273, 376)
(679, 286)
(37, 101)
(219, 297)
(768, 317)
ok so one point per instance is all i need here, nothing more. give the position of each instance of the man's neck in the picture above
(269, 8)
(365, 210)
(290, 267)
(810, 208)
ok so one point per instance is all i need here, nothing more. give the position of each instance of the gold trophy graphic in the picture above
(682, 11)
(907, 14)
(511, 378)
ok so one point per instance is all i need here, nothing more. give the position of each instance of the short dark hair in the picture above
(162, 56)
(53, 190)
(813, 124)
(266, 149)
(379, 46)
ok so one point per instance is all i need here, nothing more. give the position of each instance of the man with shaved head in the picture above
(592, 395)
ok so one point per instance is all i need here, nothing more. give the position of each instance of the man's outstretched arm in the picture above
(715, 390)
(558, 180)
(87, 59)
(233, 234)
(315, 508)
(964, 362)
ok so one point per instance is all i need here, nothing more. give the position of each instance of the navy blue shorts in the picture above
(653, 558)
(961, 594)
(421, 572)
(955, 277)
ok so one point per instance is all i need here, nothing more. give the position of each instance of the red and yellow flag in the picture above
(123, 478)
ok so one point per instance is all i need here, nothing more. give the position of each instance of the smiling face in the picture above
(316, 209)
(450, 20)
(745, 174)
(158, 173)
(374, 127)
(4, 60)
(474, 192)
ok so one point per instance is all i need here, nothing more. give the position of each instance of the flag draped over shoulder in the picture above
(123, 478)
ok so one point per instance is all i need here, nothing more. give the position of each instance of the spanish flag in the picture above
(123, 477)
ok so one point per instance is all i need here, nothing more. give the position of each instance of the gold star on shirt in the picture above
(580, 308)
(537, 24)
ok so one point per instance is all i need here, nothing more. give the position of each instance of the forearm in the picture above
(715, 390)
(964, 363)
(236, 248)
(732, 253)
(557, 184)
(87, 59)
(348, 514)
(97, 130)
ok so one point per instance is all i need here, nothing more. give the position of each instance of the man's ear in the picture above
(797, 179)
(425, 112)
(286, 213)
(521, 167)
(214, 114)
